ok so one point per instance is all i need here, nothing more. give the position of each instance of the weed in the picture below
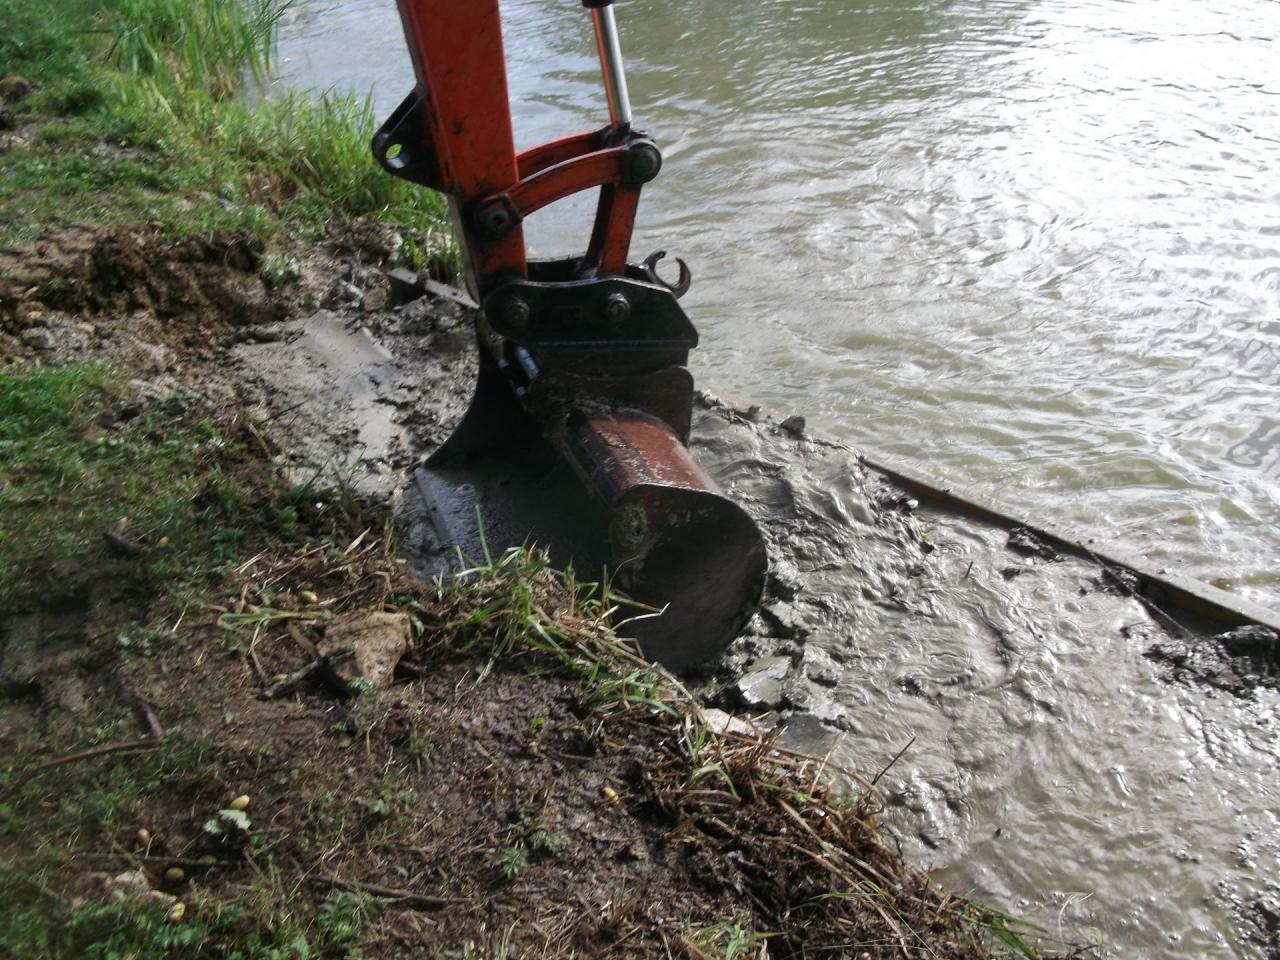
(195, 44)
(725, 941)
(279, 269)
(342, 917)
(514, 859)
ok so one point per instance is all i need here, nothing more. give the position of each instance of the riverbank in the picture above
(194, 554)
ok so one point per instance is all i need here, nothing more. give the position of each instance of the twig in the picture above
(301, 675)
(155, 734)
(99, 751)
(286, 411)
(896, 757)
(408, 897)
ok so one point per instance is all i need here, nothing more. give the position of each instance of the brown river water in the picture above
(1033, 246)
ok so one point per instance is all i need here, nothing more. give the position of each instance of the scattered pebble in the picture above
(37, 338)
(794, 425)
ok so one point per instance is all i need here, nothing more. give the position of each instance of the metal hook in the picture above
(650, 268)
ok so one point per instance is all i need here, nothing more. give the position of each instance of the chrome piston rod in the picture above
(615, 78)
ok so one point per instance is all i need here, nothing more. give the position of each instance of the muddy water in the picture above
(1036, 247)
(1050, 765)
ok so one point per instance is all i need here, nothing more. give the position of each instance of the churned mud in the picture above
(899, 643)
(485, 796)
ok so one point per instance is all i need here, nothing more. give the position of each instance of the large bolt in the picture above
(617, 308)
(643, 161)
(516, 313)
(494, 220)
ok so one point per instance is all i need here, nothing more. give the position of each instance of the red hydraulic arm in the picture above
(583, 379)
(454, 134)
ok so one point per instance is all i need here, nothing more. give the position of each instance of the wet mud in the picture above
(1239, 661)
(1042, 739)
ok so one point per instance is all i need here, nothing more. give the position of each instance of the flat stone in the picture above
(807, 733)
(722, 722)
(784, 621)
(819, 666)
(404, 285)
(760, 688)
(378, 640)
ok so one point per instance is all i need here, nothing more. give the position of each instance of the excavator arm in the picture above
(583, 385)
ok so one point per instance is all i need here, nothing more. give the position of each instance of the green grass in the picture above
(69, 484)
(258, 926)
(142, 118)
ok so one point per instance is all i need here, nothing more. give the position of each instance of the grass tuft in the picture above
(145, 117)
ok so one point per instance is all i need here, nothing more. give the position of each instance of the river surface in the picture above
(1034, 247)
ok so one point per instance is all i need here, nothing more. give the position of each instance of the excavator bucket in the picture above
(575, 439)
(619, 495)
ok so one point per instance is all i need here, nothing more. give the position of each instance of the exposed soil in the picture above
(511, 811)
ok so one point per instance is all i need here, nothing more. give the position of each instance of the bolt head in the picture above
(617, 308)
(516, 312)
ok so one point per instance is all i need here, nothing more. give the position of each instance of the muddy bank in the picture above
(467, 801)
(999, 675)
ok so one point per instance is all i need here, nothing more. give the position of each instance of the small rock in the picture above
(783, 621)
(134, 885)
(894, 499)
(794, 425)
(741, 406)
(342, 293)
(378, 639)
(784, 580)
(374, 300)
(37, 338)
(761, 687)
(124, 885)
(819, 666)
(722, 722)
(834, 715)
(807, 733)
(14, 88)
(801, 694)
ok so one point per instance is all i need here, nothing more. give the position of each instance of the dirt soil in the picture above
(508, 809)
